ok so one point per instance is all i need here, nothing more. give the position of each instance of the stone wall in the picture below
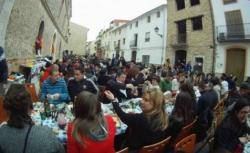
(77, 38)
(23, 27)
(199, 43)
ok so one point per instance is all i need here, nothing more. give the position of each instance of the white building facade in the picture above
(142, 39)
(232, 37)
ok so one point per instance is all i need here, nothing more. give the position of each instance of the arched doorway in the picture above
(39, 39)
(180, 56)
(235, 62)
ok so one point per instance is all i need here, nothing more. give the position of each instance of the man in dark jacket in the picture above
(119, 88)
(205, 105)
(3, 66)
(79, 84)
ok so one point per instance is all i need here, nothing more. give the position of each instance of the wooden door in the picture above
(236, 62)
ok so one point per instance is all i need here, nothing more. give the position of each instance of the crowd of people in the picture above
(88, 82)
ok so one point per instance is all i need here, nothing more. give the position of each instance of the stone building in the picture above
(23, 22)
(77, 38)
(190, 33)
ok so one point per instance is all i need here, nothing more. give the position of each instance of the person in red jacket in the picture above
(91, 131)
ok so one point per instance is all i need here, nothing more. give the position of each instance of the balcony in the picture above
(133, 44)
(233, 33)
(179, 40)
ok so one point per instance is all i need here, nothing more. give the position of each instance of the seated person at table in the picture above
(54, 89)
(119, 88)
(20, 131)
(232, 131)
(182, 114)
(91, 131)
(147, 127)
(79, 83)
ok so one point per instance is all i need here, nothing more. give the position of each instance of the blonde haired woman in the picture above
(147, 127)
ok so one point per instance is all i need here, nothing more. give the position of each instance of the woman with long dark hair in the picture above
(232, 132)
(182, 114)
(20, 134)
(91, 131)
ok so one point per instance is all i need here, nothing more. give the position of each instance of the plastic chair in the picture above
(184, 132)
(158, 147)
(187, 144)
(125, 150)
(3, 114)
(31, 89)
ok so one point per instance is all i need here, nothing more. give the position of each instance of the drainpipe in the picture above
(214, 43)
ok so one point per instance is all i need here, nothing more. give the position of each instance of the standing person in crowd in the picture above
(80, 83)
(231, 134)
(54, 89)
(175, 83)
(3, 66)
(207, 101)
(121, 62)
(165, 83)
(224, 85)
(91, 131)
(216, 86)
(188, 68)
(168, 65)
(20, 134)
(147, 127)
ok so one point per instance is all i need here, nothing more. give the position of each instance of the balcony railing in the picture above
(233, 33)
(133, 44)
(179, 40)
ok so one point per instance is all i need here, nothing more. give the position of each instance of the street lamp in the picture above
(157, 32)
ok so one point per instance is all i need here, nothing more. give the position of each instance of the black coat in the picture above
(75, 87)
(116, 88)
(140, 131)
(228, 133)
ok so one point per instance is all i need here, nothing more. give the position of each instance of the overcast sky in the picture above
(97, 14)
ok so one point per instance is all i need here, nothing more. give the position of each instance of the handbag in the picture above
(26, 138)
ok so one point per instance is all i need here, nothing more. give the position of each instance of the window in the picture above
(197, 23)
(149, 19)
(194, 2)
(229, 1)
(136, 24)
(147, 37)
(182, 31)
(180, 4)
(158, 14)
(123, 41)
